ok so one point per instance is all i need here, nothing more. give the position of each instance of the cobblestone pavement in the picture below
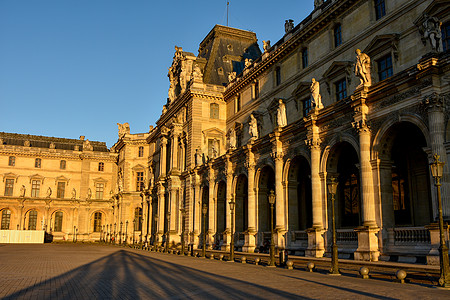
(77, 271)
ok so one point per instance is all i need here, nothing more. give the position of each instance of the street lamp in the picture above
(126, 232)
(183, 216)
(120, 233)
(437, 169)
(134, 229)
(155, 242)
(332, 187)
(74, 233)
(232, 204)
(115, 237)
(272, 199)
(204, 211)
(168, 231)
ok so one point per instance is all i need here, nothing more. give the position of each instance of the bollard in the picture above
(401, 275)
(364, 272)
(289, 264)
(220, 256)
(243, 260)
(257, 261)
(310, 266)
(211, 256)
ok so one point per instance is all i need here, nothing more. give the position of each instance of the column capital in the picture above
(277, 156)
(313, 143)
(434, 101)
(361, 126)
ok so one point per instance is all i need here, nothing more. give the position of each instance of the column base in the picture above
(433, 255)
(194, 240)
(250, 241)
(226, 241)
(280, 238)
(368, 249)
(210, 240)
(316, 246)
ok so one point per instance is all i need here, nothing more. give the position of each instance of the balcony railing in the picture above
(411, 236)
(346, 236)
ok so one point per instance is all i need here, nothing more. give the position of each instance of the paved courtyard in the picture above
(77, 271)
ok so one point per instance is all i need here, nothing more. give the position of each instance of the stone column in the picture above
(368, 248)
(250, 234)
(144, 218)
(161, 215)
(182, 156)
(280, 205)
(435, 105)
(196, 212)
(174, 144)
(163, 157)
(229, 197)
(21, 227)
(210, 238)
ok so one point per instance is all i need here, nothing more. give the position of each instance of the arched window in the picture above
(138, 219)
(12, 161)
(214, 111)
(101, 167)
(141, 151)
(58, 221)
(6, 219)
(98, 222)
(37, 163)
(32, 220)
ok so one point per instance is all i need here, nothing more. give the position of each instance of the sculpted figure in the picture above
(315, 93)
(89, 194)
(253, 127)
(248, 62)
(317, 3)
(198, 157)
(362, 68)
(49, 192)
(123, 128)
(120, 181)
(288, 25)
(23, 190)
(231, 76)
(432, 31)
(164, 110)
(87, 145)
(266, 45)
(74, 194)
(281, 114)
(197, 73)
(232, 139)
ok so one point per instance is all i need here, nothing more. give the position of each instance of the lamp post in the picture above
(74, 233)
(437, 169)
(204, 211)
(168, 231)
(120, 233)
(126, 232)
(155, 242)
(115, 225)
(134, 229)
(332, 187)
(183, 215)
(232, 204)
(272, 199)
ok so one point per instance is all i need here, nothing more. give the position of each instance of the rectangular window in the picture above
(385, 67)
(12, 161)
(141, 151)
(214, 111)
(380, 9)
(37, 163)
(101, 166)
(337, 35)
(99, 187)
(62, 164)
(237, 103)
(60, 190)
(341, 89)
(58, 221)
(446, 36)
(305, 58)
(32, 220)
(139, 181)
(98, 222)
(9, 187)
(306, 106)
(35, 188)
(256, 90)
(278, 75)
(6, 219)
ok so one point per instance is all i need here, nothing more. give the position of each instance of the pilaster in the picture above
(250, 240)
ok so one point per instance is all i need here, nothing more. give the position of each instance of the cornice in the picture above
(66, 156)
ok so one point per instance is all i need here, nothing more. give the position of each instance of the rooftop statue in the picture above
(123, 129)
(266, 45)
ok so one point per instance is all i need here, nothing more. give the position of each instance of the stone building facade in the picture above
(357, 91)
(62, 186)
(239, 123)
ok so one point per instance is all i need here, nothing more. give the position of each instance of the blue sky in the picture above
(77, 67)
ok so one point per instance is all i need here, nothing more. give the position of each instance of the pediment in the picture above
(438, 8)
(338, 67)
(10, 175)
(100, 179)
(37, 177)
(61, 178)
(213, 132)
(138, 167)
(302, 88)
(381, 43)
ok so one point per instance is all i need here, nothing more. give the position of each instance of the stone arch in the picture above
(327, 158)
(240, 194)
(221, 211)
(265, 182)
(26, 224)
(379, 141)
(12, 214)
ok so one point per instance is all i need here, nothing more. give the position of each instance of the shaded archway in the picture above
(241, 198)
(266, 183)
(221, 211)
(299, 195)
